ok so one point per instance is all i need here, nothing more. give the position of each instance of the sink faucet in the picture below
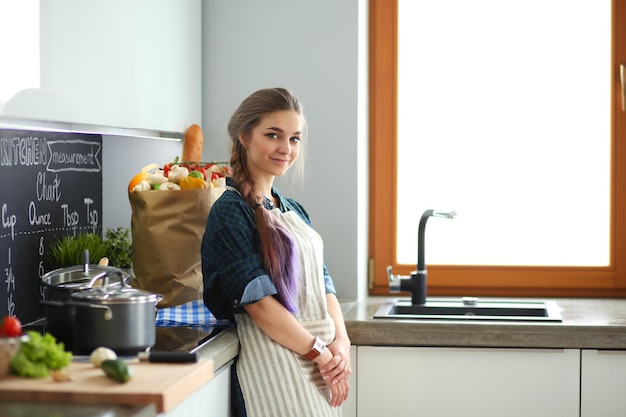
(416, 283)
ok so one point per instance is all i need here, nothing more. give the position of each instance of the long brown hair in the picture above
(278, 248)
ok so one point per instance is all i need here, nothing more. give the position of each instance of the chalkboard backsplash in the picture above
(50, 186)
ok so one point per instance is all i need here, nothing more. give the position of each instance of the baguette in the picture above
(193, 144)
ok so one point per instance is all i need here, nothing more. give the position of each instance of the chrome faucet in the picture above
(416, 283)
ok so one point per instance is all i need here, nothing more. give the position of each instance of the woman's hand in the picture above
(338, 369)
(339, 392)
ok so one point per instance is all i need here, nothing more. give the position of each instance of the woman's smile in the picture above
(274, 145)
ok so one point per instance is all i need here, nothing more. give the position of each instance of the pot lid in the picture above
(115, 294)
(77, 277)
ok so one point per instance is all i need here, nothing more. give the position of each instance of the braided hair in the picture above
(277, 246)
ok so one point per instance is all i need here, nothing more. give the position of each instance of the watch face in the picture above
(319, 345)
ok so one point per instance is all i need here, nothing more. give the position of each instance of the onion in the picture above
(100, 355)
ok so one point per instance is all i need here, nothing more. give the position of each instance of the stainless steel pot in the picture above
(117, 316)
(59, 284)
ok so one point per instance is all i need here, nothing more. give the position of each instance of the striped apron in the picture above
(275, 381)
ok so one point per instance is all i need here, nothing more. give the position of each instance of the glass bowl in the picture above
(9, 347)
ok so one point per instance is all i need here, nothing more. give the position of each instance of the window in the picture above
(584, 274)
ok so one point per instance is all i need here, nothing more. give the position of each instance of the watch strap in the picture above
(316, 350)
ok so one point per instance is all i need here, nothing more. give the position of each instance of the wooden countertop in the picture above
(587, 324)
(164, 385)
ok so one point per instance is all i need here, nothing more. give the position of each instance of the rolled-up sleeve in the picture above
(230, 259)
(256, 289)
(329, 285)
(233, 274)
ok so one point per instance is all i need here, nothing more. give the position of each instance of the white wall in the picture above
(318, 49)
(122, 158)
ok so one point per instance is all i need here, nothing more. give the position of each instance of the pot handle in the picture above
(93, 280)
(108, 314)
(86, 262)
(105, 278)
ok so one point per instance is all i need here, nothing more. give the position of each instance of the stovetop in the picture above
(170, 339)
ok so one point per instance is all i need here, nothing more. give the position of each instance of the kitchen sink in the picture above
(471, 308)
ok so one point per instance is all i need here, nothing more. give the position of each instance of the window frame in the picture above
(477, 280)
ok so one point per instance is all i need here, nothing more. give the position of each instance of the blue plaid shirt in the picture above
(231, 265)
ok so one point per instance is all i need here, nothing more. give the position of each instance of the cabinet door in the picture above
(213, 399)
(468, 382)
(603, 384)
(128, 64)
(348, 409)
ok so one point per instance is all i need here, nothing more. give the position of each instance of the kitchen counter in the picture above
(220, 349)
(587, 324)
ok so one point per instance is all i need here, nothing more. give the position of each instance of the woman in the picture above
(263, 267)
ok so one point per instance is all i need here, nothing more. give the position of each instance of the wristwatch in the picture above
(316, 350)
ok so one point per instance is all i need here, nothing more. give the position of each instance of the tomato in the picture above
(166, 169)
(168, 166)
(11, 327)
(202, 171)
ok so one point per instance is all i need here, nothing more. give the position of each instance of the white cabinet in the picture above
(468, 382)
(213, 399)
(603, 384)
(129, 64)
(348, 408)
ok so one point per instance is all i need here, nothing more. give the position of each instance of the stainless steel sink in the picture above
(471, 308)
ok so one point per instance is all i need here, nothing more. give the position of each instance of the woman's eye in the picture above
(295, 139)
(272, 135)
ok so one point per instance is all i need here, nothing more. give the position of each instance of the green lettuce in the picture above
(38, 355)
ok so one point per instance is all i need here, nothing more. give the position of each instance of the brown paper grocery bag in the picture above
(167, 229)
(178, 339)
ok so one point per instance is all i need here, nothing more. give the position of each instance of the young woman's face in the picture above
(274, 144)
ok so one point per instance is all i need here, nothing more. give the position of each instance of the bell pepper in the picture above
(196, 174)
(191, 182)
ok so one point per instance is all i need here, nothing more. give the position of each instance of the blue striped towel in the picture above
(191, 314)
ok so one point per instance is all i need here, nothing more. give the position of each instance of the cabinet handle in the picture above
(622, 80)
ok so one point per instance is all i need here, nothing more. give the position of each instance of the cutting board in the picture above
(163, 384)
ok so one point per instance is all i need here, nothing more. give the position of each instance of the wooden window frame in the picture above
(473, 280)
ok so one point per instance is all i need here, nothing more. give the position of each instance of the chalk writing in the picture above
(8, 220)
(73, 155)
(48, 191)
(24, 151)
(50, 186)
(9, 279)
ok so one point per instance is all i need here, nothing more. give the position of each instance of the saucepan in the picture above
(114, 315)
(59, 284)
